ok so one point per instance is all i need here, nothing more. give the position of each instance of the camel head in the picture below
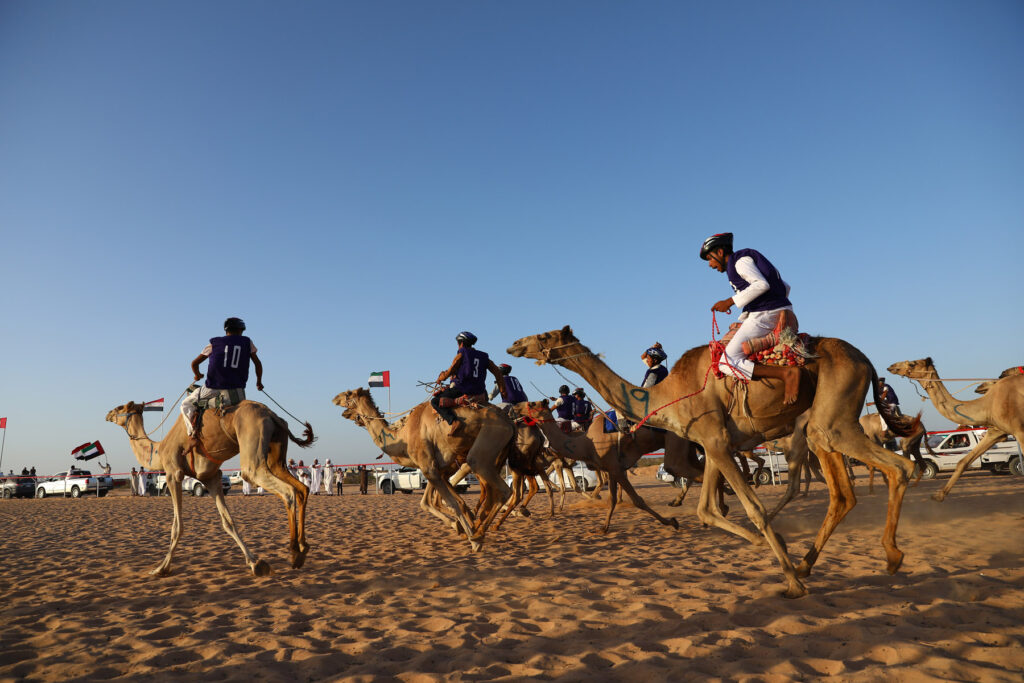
(547, 347)
(537, 410)
(913, 369)
(120, 414)
(358, 405)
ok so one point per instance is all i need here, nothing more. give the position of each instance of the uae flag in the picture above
(88, 451)
(3, 423)
(380, 379)
(154, 405)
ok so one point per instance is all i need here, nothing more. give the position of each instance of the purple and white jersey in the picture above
(563, 407)
(229, 361)
(581, 410)
(471, 376)
(513, 391)
(774, 298)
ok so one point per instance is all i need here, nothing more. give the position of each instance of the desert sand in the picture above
(388, 594)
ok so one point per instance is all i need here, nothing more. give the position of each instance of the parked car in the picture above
(950, 447)
(79, 483)
(190, 485)
(586, 478)
(409, 479)
(18, 487)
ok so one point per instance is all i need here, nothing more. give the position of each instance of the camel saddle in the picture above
(223, 403)
(784, 345)
(464, 401)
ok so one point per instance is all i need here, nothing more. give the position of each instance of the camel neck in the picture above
(960, 412)
(145, 449)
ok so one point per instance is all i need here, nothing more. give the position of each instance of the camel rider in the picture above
(513, 392)
(562, 407)
(469, 375)
(582, 410)
(228, 370)
(653, 358)
(762, 294)
(887, 396)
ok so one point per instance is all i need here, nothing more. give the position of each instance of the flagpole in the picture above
(2, 444)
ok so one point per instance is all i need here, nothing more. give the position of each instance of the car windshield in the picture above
(935, 439)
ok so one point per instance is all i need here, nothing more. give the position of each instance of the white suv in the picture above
(191, 485)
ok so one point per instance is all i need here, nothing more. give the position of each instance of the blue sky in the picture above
(360, 181)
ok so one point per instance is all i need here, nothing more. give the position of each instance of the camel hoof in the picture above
(797, 591)
(940, 496)
(524, 512)
(674, 504)
(475, 546)
(803, 570)
(895, 562)
(160, 571)
(261, 568)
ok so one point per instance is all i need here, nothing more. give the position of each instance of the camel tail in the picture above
(307, 437)
(903, 425)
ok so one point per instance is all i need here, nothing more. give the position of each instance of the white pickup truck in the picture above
(190, 485)
(409, 479)
(950, 447)
(77, 485)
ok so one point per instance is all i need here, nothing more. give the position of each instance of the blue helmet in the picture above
(234, 325)
(467, 338)
(656, 353)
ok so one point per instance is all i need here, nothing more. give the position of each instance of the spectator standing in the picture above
(364, 479)
(328, 477)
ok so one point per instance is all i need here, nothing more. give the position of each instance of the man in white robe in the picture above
(328, 478)
(315, 476)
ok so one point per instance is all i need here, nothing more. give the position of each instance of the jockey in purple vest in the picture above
(228, 371)
(654, 357)
(468, 372)
(582, 410)
(761, 292)
(513, 392)
(563, 405)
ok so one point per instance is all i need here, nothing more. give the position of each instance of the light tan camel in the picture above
(484, 442)
(724, 418)
(910, 446)
(249, 429)
(1001, 409)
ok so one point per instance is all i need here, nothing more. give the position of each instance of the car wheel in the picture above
(103, 492)
(198, 490)
(928, 470)
(406, 491)
(76, 492)
(7, 493)
(385, 487)
(1017, 466)
(165, 490)
(763, 477)
(581, 484)
(40, 492)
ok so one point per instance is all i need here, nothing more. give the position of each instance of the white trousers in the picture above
(756, 324)
(188, 406)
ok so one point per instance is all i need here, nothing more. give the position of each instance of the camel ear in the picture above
(567, 330)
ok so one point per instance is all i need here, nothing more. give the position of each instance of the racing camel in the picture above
(726, 416)
(249, 429)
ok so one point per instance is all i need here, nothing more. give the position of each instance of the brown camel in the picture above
(612, 453)
(724, 417)
(1001, 409)
(249, 429)
(485, 441)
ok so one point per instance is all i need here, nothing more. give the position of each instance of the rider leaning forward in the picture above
(762, 294)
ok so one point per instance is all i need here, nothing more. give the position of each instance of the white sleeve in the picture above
(207, 350)
(746, 269)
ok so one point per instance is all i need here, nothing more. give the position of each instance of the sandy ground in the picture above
(388, 594)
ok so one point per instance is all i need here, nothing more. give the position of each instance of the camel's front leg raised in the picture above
(992, 437)
(619, 479)
(213, 483)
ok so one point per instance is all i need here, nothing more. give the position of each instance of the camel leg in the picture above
(174, 484)
(213, 484)
(992, 437)
(721, 459)
(513, 501)
(841, 501)
(709, 510)
(896, 469)
(428, 503)
(619, 479)
(796, 459)
(271, 472)
(871, 480)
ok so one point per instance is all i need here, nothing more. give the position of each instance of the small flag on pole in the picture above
(88, 451)
(3, 423)
(380, 379)
(153, 405)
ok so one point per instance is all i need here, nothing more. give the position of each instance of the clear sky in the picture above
(361, 181)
